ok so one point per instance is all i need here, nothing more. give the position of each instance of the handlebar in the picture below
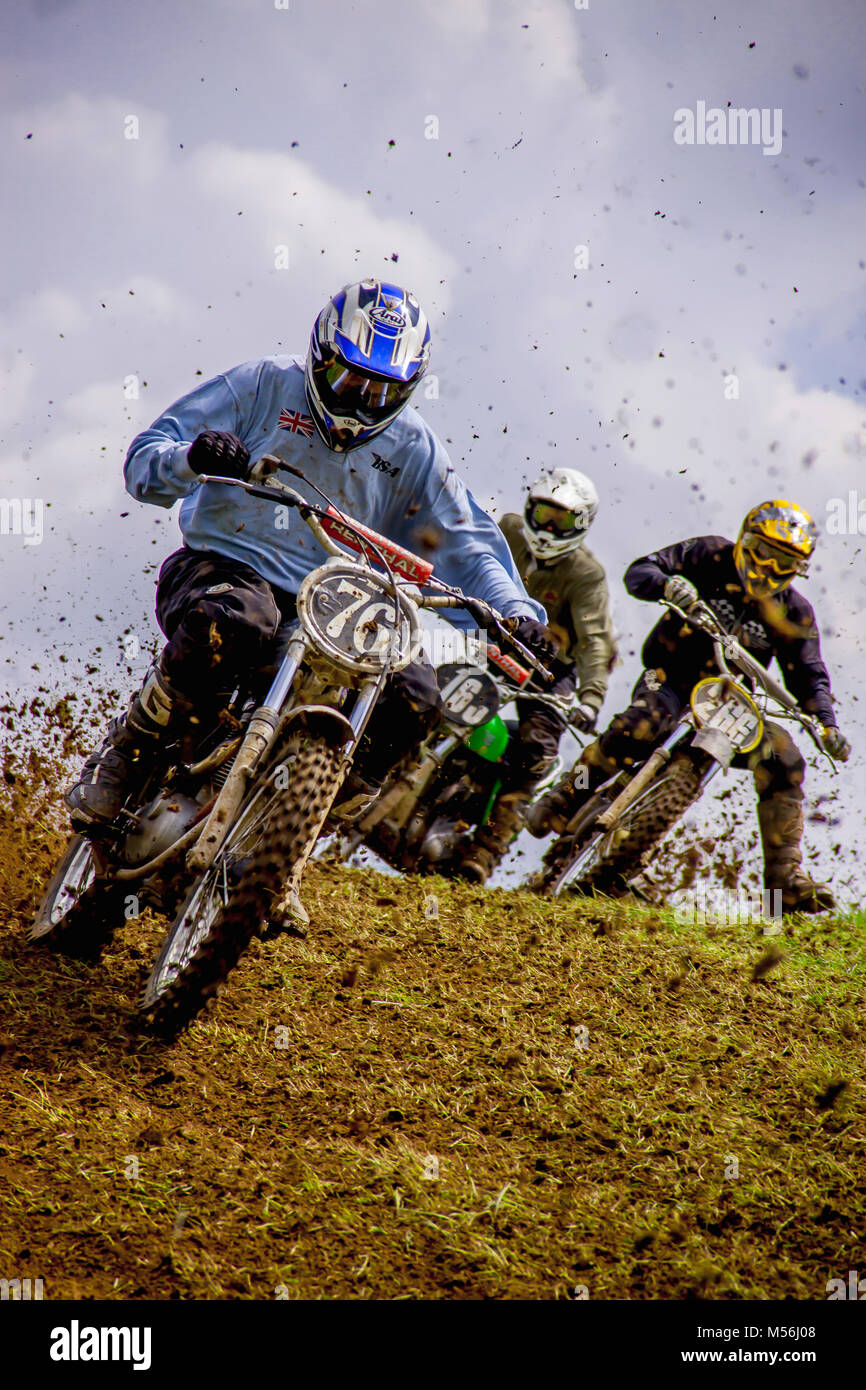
(727, 649)
(328, 526)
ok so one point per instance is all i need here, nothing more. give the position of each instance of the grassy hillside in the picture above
(482, 1096)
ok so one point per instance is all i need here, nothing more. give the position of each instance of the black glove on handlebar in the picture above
(536, 636)
(219, 452)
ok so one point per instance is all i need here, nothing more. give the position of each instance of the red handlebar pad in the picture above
(403, 561)
(512, 668)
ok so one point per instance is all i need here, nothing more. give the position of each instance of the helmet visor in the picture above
(363, 397)
(772, 560)
(558, 521)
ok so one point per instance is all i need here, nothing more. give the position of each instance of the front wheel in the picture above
(603, 861)
(231, 901)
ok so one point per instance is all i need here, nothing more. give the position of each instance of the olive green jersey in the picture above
(574, 593)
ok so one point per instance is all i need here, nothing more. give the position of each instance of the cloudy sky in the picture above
(157, 156)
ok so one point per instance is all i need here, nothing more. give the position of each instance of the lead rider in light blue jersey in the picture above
(400, 482)
(340, 417)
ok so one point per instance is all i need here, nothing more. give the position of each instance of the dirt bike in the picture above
(612, 835)
(222, 840)
(430, 809)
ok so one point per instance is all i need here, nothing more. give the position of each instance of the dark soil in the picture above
(442, 1092)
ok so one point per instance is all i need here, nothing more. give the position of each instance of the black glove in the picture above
(218, 452)
(536, 636)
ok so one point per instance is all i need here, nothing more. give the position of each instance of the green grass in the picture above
(434, 1126)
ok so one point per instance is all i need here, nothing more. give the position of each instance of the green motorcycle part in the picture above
(490, 740)
(497, 788)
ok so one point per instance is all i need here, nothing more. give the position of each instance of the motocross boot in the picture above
(483, 853)
(132, 749)
(780, 817)
(551, 813)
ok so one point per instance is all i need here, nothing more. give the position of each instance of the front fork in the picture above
(368, 694)
(658, 759)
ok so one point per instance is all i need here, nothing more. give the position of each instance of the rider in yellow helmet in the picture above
(775, 544)
(748, 584)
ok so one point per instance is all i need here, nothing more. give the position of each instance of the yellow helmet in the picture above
(775, 544)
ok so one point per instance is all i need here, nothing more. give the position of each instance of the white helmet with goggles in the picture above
(560, 509)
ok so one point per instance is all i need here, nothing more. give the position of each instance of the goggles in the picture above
(771, 559)
(365, 398)
(545, 516)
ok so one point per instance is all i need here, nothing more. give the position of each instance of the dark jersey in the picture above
(782, 627)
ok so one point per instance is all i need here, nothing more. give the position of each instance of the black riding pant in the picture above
(540, 727)
(221, 619)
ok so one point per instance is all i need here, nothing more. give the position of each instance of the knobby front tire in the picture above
(603, 861)
(178, 991)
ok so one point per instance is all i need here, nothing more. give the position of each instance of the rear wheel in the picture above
(231, 902)
(80, 909)
(603, 861)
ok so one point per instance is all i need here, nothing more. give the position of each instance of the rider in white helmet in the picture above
(560, 508)
(560, 572)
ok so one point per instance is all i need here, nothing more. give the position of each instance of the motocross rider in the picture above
(339, 416)
(747, 585)
(547, 544)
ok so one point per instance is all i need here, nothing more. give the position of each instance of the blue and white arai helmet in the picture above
(368, 350)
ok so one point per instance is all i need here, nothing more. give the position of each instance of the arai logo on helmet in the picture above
(389, 318)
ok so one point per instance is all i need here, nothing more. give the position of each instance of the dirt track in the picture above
(512, 1099)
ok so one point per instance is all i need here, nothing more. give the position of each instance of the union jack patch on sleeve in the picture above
(296, 422)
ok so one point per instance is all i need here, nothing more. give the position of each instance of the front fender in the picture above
(322, 721)
(715, 744)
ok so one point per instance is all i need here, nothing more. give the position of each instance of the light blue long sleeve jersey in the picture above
(401, 483)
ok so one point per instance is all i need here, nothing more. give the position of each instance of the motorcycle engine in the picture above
(441, 840)
(157, 826)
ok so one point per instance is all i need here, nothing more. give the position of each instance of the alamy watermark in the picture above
(854, 1287)
(846, 516)
(22, 516)
(724, 907)
(731, 125)
(20, 1290)
(77, 1343)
